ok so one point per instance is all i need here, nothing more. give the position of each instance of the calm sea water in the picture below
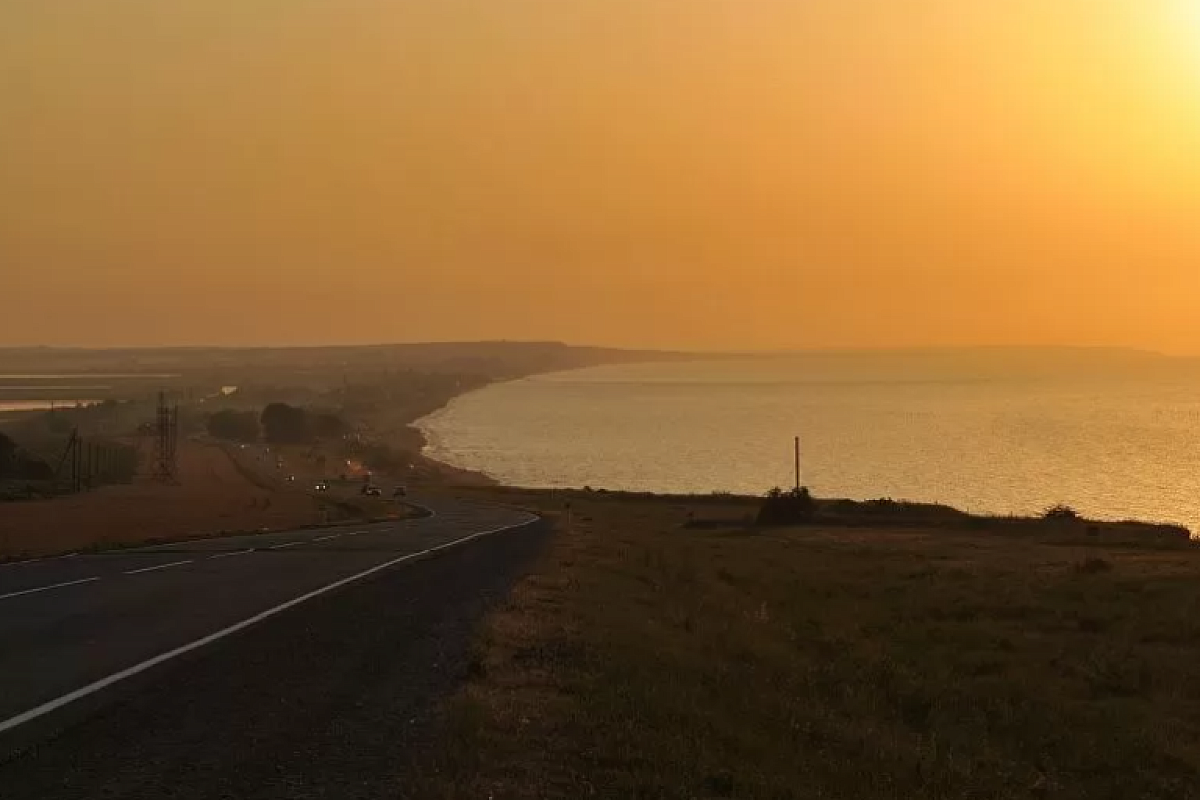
(1111, 447)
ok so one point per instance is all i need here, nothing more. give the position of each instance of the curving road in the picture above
(107, 660)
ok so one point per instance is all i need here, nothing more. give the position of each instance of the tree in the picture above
(234, 426)
(284, 424)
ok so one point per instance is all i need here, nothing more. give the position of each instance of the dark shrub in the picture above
(787, 508)
(845, 506)
(1060, 513)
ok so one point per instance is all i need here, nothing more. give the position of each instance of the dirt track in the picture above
(212, 496)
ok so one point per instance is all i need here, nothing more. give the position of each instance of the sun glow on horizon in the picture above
(1181, 39)
(968, 172)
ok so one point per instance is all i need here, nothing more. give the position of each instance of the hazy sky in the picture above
(684, 173)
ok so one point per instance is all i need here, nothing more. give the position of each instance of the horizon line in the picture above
(775, 351)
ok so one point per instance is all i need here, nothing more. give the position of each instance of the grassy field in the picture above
(645, 659)
(218, 491)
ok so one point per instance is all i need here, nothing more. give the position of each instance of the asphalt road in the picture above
(301, 664)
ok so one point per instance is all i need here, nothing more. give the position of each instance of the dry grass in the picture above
(213, 496)
(645, 660)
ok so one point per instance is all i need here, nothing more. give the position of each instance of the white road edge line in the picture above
(158, 567)
(229, 555)
(47, 588)
(285, 544)
(37, 560)
(327, 538)
(104, 683)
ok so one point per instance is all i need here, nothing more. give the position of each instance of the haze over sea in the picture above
(1115, 434)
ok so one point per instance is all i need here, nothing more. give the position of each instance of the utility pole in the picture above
(797, 465)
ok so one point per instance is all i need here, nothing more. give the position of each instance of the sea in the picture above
(999, 433)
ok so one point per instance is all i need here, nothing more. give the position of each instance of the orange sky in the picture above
(682, 173)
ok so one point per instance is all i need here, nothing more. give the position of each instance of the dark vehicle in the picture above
(372, 491)
(321, 486)
(400, 492)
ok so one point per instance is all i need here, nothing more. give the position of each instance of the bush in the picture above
(845, 507)
(1060, 513)
(787, 508)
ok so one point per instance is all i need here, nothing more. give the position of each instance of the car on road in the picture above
(372, 491)
(321, 486)
(400, 491)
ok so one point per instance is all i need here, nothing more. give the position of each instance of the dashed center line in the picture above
(228, 555)
(327, 538)
(158, 567)
(285, 544)
(47, 588)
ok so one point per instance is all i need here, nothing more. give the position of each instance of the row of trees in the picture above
(279, 423)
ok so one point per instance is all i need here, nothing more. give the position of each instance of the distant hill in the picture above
(490, 359)
(986, 363)
(501, 359)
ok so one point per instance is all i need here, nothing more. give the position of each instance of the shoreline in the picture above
(465, 477)
(411, 438)
(928, 512)
(914, 513)
(451, 474)
(831, 513)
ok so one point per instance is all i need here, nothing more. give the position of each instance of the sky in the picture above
(697, 174)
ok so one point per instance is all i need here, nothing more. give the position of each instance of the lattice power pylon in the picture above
(166, 440)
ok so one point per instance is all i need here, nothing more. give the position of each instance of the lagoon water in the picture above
(984, 440)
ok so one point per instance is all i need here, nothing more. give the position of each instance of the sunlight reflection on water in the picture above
(1114, 450)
